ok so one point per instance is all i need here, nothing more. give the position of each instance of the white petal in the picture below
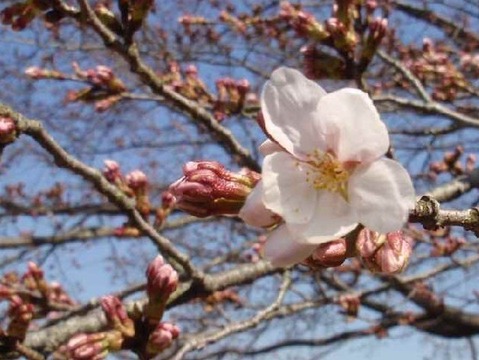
(254, 212)
(333, 218)
(282, 250)
(351, 122)
(269, 147)
(286, 191)
(382, 194)
(288, 103)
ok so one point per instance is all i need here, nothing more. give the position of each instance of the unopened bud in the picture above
(162, 280)
(330, 254)
(387, 253)
(87, 346)
(117, 315)
(136, 179)
(8, 132)
(162, 337)
(207, 188)
(20, 314)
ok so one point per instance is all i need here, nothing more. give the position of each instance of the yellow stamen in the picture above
(327, 173)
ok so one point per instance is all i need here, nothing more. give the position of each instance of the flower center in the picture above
(327, 173)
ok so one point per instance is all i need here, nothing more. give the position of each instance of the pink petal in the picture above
(288, 102)
(254, 212)
(382, 195)
(333, 218)
(282, 250)
(351, 123)
(286, 190)
(269, 147)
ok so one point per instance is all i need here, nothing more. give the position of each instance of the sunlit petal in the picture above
(282, 250)
(382, 195)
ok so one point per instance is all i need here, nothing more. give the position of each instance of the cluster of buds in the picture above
(27, 296)
(232, 95)
(162, 281)
(8, 130)
(188, 20)
(20, 14)
(451, 164)
(433, 65)
(140, 331)
(105, 88)
(20, 314)
(330, 254)
(52, 196)
(303, 23)
(208, 189)
(32, 287)
(134, 184)
(234, 22)
(386, 253)
(91, 346)
(117, 316)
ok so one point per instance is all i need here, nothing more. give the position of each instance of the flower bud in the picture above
(330, 254)
(117, 315)
(111, 171)
(87, 346)
(207, 188)
(20, 313)
(8, 131)
(136, 179)
(162, 280)
(162, 337)
(387, 253)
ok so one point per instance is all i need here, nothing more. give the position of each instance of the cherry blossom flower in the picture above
(324, 170)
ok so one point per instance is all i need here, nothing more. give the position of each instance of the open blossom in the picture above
(324, 170)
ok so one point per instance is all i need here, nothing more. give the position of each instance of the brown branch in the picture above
(455, 31)
(35, 130)
(427, 108)
(178, 102)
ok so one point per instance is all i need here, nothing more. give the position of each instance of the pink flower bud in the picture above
(387, 253)
(8, 131)
(117, 315)
(20, 314)
(207, 188)
(111, 171)
(330, 254)
(162, 280)
(87, 346)
(136, 179)
(162, 337)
